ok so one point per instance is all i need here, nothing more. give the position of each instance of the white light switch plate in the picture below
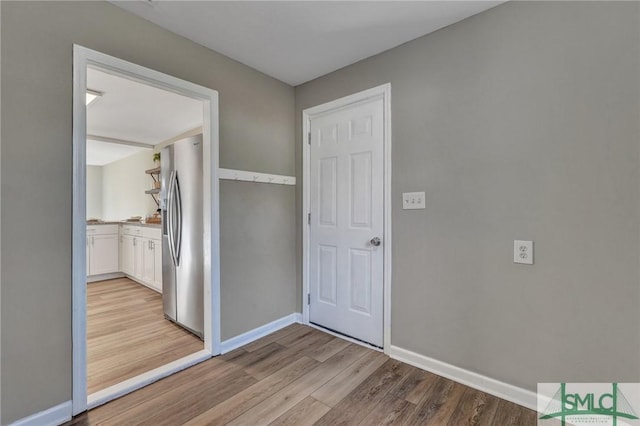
(413, 200)
(523, 252)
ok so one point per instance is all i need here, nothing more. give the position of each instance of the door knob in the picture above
(375, 241)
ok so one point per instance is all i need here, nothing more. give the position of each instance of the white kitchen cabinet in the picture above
(102, 249)
(132, 251)
(103, 254)
(141, 255)
(148, 261)
(153, 257)
(86, 251)
(132, 230)
(157, 271)
(138, 253)
(152, 263)
(127, 253)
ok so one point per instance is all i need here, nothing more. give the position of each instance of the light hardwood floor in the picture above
(127, 334)
(302, 376)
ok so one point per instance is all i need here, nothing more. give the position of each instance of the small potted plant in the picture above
(156, 159)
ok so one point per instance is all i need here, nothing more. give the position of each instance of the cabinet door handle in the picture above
(92, 241)
(134, 241)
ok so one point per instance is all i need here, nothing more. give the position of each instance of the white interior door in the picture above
(347, 216)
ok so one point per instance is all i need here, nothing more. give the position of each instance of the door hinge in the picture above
(308, 218)
(308, 298)
(309, 138)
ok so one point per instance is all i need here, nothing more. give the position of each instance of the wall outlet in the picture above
(413, 200)
(523, 252)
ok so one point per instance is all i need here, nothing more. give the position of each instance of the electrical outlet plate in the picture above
(413, 200)
(523, 252)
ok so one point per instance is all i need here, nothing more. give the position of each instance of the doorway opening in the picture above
(130, 124)
(140, 226)
(347, 216)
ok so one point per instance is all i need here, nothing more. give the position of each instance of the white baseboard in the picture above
(255, 334)
(147, 285)
(102, 277)
(486, 384)
(50, 417)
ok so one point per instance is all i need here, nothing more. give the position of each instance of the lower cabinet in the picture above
(102, 249)
(138, 252)
(103, 254)
(127, 253)
(141, 255)
(131, 249)
(157, 265)
(152, 263)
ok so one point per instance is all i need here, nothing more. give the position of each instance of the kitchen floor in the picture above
(127, 334)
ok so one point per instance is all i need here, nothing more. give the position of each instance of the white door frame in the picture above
(83, 57)
(384, 92)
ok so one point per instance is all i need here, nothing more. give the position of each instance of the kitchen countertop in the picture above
(124, 222)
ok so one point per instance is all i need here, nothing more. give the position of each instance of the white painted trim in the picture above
(79, 229)
(183, 135)
(104, 277)
(50, 417)
(119, 141)
(247, 176)
(511, 393)
(0, 221)
(388, 204)
(259, 332)
(144, 379)
(142, 283)
(83, 57)
(383, 91)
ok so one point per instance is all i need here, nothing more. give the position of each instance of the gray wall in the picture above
(94, 192)
(256, 133)
(519, 123)
(258, 258)
(123, 184)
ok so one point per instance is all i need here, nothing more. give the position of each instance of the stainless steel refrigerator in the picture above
(182, 243)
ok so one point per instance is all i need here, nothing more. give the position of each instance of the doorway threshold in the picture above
(345, 337)
(116, 391)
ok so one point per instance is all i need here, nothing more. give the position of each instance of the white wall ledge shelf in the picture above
(247, 176)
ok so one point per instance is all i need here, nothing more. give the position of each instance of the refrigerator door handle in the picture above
(170, 218)
(178, 205)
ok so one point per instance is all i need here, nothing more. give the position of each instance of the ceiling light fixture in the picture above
(92, 96)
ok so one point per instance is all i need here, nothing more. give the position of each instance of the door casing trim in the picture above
(383, 91)
(82, 58)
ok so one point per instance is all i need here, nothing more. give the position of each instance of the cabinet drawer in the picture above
(132, 229)
(152, 233)
(102, 229)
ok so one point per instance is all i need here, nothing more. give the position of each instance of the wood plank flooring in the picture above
(127, 334)
(302, 376)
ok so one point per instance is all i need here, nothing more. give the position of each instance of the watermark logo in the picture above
(577, 404)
